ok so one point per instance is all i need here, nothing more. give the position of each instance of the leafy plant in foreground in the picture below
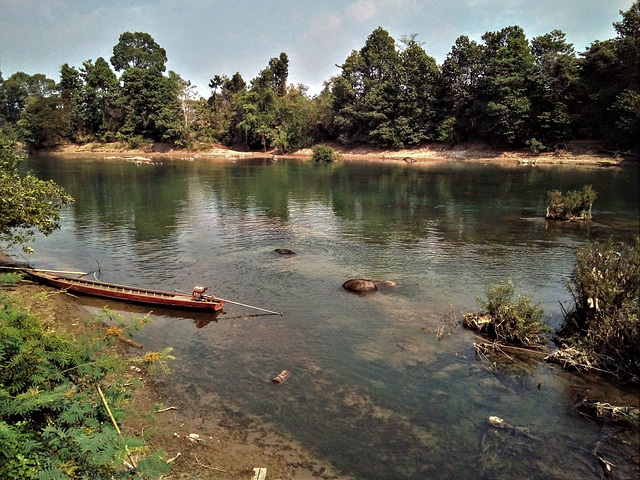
(27, 203)
(53, 421)
(9, 278)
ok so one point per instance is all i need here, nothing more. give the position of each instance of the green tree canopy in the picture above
(554, 90)
(27, 204)
(138, 50)
(503, 102)
(18, 88)
(461, 72)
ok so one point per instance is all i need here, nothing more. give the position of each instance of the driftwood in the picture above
(559, 212)
(480, 322)
(499, 347)
(572, 358)
(128, 341)
(605, 411)
(499, 423)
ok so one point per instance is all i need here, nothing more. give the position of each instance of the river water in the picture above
(374, 389)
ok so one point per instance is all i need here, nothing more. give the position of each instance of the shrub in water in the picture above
(513, 320)
(572, 205)
(603, 324)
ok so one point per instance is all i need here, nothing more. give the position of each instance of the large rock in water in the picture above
(359, 285)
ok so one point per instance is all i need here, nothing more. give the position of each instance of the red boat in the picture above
(197, 301)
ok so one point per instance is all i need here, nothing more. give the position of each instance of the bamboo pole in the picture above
(106, 405)
(245, 305)
(236, 303)
(115, 424)
(26, 269)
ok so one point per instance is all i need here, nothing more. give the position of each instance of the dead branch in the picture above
(205, 466)
(165, 409)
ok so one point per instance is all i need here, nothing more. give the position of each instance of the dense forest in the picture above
(507, 91)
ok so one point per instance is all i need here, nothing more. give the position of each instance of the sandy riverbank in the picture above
(576, 153)
(229, 446)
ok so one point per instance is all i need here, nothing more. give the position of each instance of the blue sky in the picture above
(208, 37)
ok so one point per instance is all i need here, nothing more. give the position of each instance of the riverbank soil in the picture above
(203, 445)
(576, 152)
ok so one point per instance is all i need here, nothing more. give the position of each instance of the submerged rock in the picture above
(363, 285)
(284, 251)
(360, 285)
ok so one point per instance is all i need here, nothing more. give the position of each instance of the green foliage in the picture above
(504, 90)
(572, 205)
(535, 146)
(138, 50)
(553, 88)
(324, 153)
(18, 88)
(9, 278)
(384, 96)
(53, 423)
(26, 202)
(43, 123)
(603, 323)
(95, 103)
(513, 320)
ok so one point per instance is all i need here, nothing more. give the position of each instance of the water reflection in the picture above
(372, 387)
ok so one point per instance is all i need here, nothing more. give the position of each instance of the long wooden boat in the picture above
(197, 301)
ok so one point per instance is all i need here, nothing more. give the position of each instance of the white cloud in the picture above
(362, 10)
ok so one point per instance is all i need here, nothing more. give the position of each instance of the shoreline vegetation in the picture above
(507, 90)
(575, 153)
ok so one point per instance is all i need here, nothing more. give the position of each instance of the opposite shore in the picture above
(575, 153)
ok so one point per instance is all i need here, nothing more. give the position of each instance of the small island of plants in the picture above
(601, 330)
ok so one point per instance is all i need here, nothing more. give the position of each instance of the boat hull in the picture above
(126, 293)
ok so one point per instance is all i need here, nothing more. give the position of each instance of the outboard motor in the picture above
(198, 292)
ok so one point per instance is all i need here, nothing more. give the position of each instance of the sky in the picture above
(204, 38)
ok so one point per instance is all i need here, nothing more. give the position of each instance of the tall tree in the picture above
(601, 76)
(151, 105)
(280, 68)
(98, 108)
(503, 96)
(419, 77)
(138, 50)
(461, 72)
(627, 103)
(18, 88)
(366, 92)
(43, 123)
(214, 84)
(70, 82)
(557, 78)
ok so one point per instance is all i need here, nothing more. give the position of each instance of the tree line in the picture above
(505, 91)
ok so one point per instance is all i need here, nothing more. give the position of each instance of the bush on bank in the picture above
(326, 154)
(53, 421)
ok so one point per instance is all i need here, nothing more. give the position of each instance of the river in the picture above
(383, 386)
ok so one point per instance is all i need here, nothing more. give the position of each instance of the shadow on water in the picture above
(372, 388)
